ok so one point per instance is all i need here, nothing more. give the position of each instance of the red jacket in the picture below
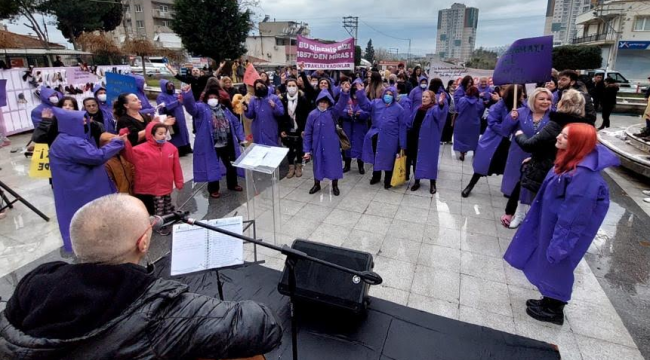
(157, 167)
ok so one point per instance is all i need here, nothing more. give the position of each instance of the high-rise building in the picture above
(148, 19)
(456, 32)
(561, 19)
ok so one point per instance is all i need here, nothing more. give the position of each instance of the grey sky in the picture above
(500, 21)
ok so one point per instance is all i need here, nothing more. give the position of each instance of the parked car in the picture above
(617, 76)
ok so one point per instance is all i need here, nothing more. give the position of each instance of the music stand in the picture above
(17, 197)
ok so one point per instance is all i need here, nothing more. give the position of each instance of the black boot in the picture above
(361, 168)
(549, 310)
(462, 156)
(376, 177)
(335, 188)
(470, 186)
(315, 188)
(432, 188)
(416, 185)
(346, 168)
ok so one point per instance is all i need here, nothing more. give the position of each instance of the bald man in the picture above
(109, 307)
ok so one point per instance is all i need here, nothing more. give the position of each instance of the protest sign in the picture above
(117, 84)
(78, 76)
(40, 165)
(527, 60)
(250, 75)
(317, 55)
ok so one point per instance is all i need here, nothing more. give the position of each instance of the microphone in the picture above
(162, 221)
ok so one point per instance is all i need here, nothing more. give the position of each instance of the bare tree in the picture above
(382, 54)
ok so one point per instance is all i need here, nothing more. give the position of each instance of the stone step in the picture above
(631, 156)
(636, 141)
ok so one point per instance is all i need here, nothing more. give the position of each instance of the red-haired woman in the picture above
(563, 220)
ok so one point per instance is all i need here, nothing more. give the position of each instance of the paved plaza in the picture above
(440, 254)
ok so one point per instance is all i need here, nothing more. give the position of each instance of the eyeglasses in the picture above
(152, 221)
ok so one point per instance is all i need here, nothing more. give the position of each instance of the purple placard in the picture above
(317, 55)
(526, 61)
(3, 92)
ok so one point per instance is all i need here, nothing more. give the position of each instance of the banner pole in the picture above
(514, 105)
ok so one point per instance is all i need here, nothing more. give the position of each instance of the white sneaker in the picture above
(646, 192)
(646, 200)
(519, 217)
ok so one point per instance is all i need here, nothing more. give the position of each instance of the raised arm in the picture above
(86, 153)
(189, 102)
(362, 99)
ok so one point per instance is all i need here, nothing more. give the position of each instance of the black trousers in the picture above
(513, 200)
(226, 154)
(376, 175)
(293, 141)
(607, 111)
(410, 161)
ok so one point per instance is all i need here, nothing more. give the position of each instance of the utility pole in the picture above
(351, 25)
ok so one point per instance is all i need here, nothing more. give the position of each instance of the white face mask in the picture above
(101, 97)
(314, 84)
(53, 99)
(292, 90)
(213, 102)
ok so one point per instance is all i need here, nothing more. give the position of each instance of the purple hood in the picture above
(70, 122)
(600, 159)
(325, 94)
(45, 94)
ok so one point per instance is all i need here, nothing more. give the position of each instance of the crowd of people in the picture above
(544, 143)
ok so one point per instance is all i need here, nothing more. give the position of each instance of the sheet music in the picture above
(254, 157)
(188, 249)
(197, 249)
(226, 250)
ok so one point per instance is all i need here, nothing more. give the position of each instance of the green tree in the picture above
(370, 52)
(357, 55)
(74, 17)
(14, 9)
(576, 57)
(212, 28)
(482, 59)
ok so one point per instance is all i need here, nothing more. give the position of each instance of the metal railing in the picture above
(608, 36)
(162, 14)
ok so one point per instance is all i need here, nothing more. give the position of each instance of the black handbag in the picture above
(40, 134)
(343, 138)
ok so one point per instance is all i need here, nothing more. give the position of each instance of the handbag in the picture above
(399, 170)
(343, 138)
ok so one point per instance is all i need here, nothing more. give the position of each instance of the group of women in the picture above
(547, 153)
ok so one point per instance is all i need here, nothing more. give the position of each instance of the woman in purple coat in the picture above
(467, 127)
(266, 111)
(563, 220)
(49, 99)
(416, 94)
(387, 134)
(492, 149)
(355, 126)
(172, 104)
(147, 108)
(322, 143)
(466, 83)
(423, 138)
(107, 111)
(219, 135)
(529, 119)
(78, 172)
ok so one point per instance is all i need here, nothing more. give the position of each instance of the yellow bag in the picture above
(399, 171)
(40, 166)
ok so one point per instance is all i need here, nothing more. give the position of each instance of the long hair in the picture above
(533, 97)
(118, 106)
(465, 82)
(435, 85)
(509, 96)
(472, 92)
(581, 141)
(75, 104)
(572, 102)
(374, 85)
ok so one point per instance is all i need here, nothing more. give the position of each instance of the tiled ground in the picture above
(441, 254)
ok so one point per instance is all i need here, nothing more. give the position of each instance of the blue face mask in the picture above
(161, 141)
(423, 86)
(388, 99)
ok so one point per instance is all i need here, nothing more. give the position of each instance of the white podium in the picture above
(262, 164)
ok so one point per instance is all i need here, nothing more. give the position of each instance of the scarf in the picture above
(426, 107)
(220, 127)
(292, 104)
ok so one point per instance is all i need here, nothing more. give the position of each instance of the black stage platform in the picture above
(388, 332)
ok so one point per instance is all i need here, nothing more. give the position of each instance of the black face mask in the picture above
(261, 91)
(170, 91)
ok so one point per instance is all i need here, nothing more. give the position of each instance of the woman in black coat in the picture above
(292, 125)
(570, 109)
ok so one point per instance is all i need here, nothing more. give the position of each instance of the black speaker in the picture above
(325, 285)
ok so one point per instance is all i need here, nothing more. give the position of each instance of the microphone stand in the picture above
(293, 256)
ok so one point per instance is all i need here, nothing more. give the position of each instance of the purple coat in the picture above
(322, 141)
(355, 126)
(78, 172)
(416, 94)
(174, 108)
(405, 102)
(512, 173)
(44, 95)
(265, 119)
(486, 91)
(459, 94)
(561, 224)
(467, 127)
(489, 142)
(107, 112)
(389, 122)
(206, 166)
(147, 108)
(429, 141)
